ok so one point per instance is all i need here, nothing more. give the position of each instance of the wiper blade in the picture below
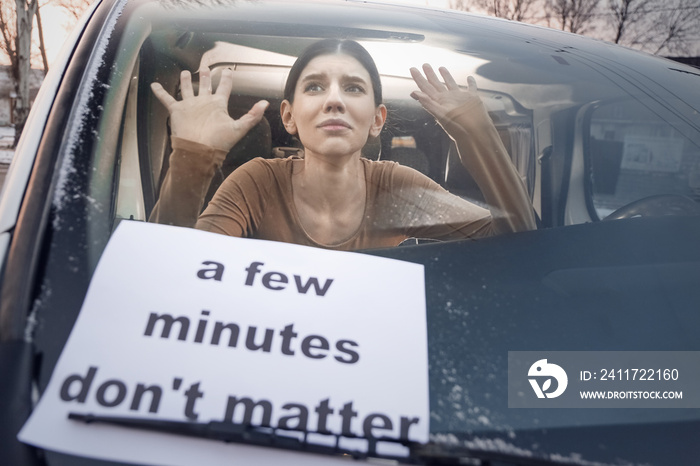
(433, 453)
(249, 434)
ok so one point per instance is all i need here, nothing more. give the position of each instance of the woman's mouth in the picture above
(334, 124)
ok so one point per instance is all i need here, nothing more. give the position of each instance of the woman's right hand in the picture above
(204, 118)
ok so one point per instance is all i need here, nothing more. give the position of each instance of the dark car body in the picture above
(606, 139)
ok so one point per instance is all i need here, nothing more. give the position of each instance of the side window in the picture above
(634, 154)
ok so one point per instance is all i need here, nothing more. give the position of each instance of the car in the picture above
(495, 339)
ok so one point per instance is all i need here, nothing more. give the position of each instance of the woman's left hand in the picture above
(440, 98)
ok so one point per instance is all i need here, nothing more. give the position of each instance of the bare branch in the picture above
(42, 45)
(575, 16)
(516, 10)
(676, 27)
(460, 5)
(74, 7)
(625, 15)
(17, 43)
(8, 23)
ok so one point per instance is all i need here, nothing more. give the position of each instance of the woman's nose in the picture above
(334, 100)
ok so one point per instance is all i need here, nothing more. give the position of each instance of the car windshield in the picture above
(597, 135)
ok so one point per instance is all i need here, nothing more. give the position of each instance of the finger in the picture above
(186, 85)
(225, 83)
(471, 83)
(449, 80)
(205, 81)
(433, 78)
(427, 103)
(253, 116)
(422, 83)
(162, 95)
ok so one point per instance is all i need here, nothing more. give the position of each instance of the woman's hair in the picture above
(334, 47)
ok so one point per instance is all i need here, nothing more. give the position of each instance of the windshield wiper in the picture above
(434, 453)
(249, 434)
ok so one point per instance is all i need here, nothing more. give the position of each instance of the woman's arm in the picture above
(181, 198)
(464, 117)
(202, 134)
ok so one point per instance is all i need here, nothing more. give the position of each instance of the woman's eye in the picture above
(313, 87)
(355, 89)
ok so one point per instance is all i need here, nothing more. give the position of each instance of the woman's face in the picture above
(333, 111)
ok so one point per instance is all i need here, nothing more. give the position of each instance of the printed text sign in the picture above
(185, 325)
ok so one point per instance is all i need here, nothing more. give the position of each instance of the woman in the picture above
(332, 197)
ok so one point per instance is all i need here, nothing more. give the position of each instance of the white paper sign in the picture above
(185, 325)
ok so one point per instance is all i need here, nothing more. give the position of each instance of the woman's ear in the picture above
(288, 117)
(379, 119)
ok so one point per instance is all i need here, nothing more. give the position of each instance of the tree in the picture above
(16, 24)
(461, 5)
(42, 45)
(516, 10)
(656, 26)
(675, 26)
(74, 7)
(624, 15)
(575, 16)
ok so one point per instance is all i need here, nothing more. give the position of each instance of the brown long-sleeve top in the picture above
(256, 200)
